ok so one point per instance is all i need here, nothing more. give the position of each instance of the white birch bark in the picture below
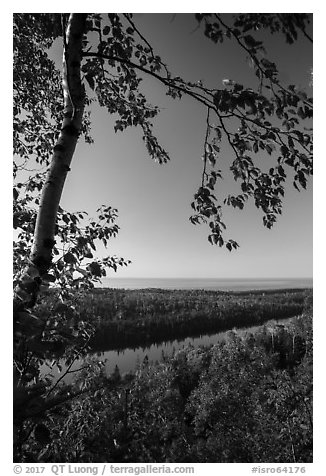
(74, 98)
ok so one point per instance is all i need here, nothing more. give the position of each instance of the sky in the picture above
(154, 200)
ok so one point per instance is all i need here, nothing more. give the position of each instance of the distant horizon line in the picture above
(216, 278)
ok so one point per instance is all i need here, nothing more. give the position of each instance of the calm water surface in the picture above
(127, 359)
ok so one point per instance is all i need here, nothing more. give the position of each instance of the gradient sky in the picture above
(154, 200)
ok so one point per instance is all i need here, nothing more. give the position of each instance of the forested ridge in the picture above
(130, 318)
(245, 399)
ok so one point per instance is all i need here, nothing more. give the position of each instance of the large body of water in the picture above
(128, 358)
(238, 284)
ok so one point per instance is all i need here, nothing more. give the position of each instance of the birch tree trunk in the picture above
(40, 258)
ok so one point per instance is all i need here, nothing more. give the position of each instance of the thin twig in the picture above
(128, 18)
(205, 151)
(228, 135)
(145, 41)
(76, 370)
(279, 16)
(166, 81)
(68, 368)
(256, 61)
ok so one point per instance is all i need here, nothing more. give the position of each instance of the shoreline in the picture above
(205, 290)
(209, 284)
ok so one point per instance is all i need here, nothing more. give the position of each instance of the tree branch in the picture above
(257, 62)
(166, 81)
(205, 151)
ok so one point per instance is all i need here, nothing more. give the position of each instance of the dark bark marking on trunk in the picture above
(40, 259)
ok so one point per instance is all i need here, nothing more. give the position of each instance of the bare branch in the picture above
(205, 151)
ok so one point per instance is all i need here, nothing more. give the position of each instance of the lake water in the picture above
(208, 283)
(128, 358)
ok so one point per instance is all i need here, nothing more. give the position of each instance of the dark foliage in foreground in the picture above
(247, 399)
